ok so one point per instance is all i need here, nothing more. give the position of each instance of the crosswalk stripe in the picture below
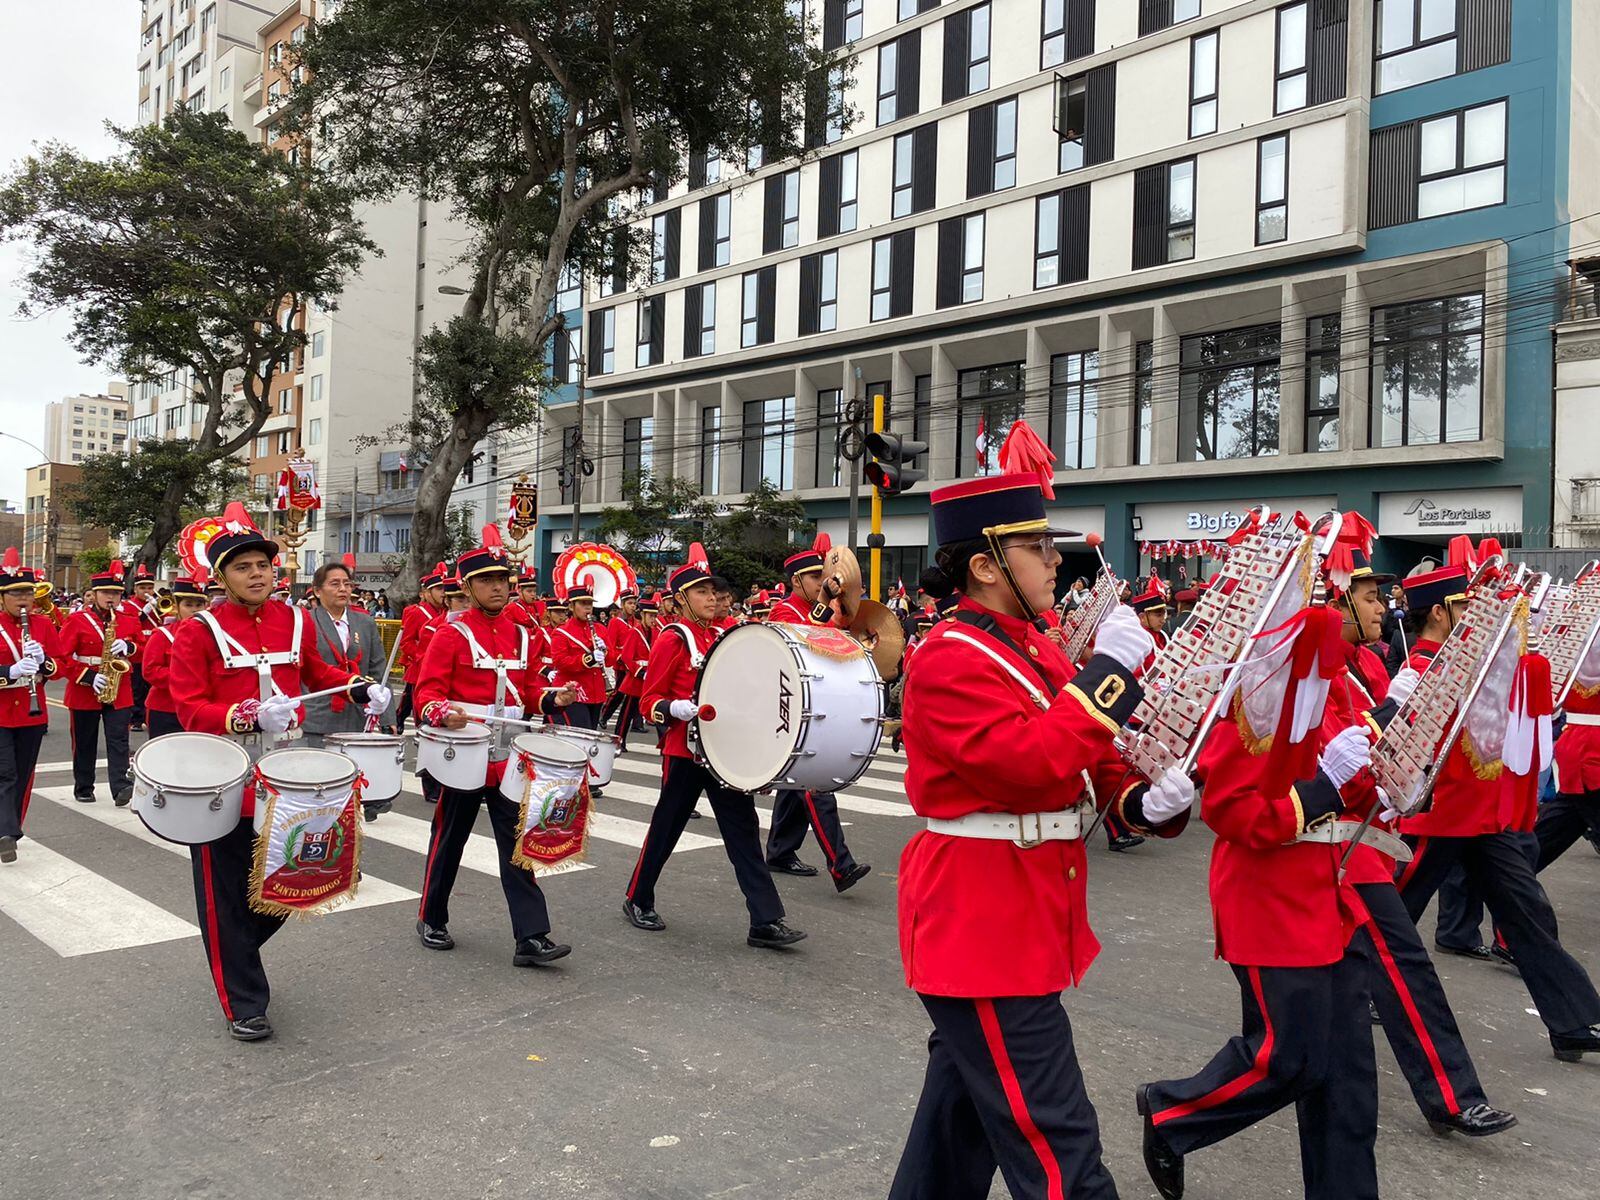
(371, 893)
(849, 801)
(618, 790)
(75, 911)
(481, 855)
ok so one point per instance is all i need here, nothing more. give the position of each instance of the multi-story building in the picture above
(1576, 494)
(198, 54)
(1217, 252)
(79, 426)
(51, 537)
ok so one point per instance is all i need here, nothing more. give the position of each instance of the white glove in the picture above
(276, 714)
(32, 649)
(378, 697)
(1122, 637)
(95, 681)
(683, 710)
(1346, 754)
(1168, 797)
(599, 656)
(1388, 813)
(1401, 685)
(23, 668)
(119, 647)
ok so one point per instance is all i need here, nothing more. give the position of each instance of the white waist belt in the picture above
(1336, 832)
(512, 711)
(1025, 829)
(1583, 718)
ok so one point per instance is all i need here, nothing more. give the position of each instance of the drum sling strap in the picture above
(697, 658)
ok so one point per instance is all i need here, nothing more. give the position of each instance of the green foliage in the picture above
(463, 527)
(468, 364)
(129, 494)
(93, 560)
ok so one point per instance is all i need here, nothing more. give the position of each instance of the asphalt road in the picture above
(662, 1066)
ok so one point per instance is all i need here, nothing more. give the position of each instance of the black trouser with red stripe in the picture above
(1307, 1041)
(1497, 865)
(1115, 828)
(231, 931)
(627, 713)
(141, 690)
(1417, 1020)
(1563, 819)
(453, 819)
(682, 782)
(405, 708)
(86, 723)
(162, 722)
(1003, 1089)
(792, 812)
(19, 754)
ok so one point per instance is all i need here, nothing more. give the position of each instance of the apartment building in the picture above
(1217, 252)
(51, 537)
(78, 426)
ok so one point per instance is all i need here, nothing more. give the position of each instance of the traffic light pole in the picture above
(875, 541)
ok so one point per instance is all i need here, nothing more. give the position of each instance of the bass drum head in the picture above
(193, 761)
(751, 678)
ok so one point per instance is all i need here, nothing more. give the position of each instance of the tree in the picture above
(130, 494)
(538, 121)
(192, 247)
(93, 560)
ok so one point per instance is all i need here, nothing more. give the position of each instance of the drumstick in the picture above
(388, 669)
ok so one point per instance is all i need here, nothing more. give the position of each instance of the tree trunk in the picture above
(430, 529)
(168, 524)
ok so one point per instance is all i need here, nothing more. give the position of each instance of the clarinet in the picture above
(33, 687)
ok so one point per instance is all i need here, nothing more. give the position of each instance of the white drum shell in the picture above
(381, 757)
(456, 758)
(597, 744)
(558, 752)
(206, 804)
(305, 769)
(787, 716)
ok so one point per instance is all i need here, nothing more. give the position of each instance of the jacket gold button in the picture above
(1072, 872)
(1033, 650)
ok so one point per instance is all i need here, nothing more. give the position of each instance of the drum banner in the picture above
(828, 642)
(553, 820)
(308, 853)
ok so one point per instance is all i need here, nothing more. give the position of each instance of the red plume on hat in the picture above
(1355, 533)
(235, 519)
(699, 558)
(349, 560)
(822, 544)
(491, 537)
(1460, 553)
(116, 570)
(1023, 453)
(12, 561)
(1490, 548)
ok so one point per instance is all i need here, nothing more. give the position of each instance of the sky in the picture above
(76, 71)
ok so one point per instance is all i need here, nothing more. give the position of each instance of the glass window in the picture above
(1228, 393)
(1427, 372)
(847, 192)
(1074, 408)
(901, 190)
(1292, 46)
(791, 209)
(888, 68)
(833, 131)
(830, 410)
(1144, 403)
(1463, 161)
(749, 318)
(710, 450)
(708, 318)
(638, 436)
(1185, 10)
(972, 258)
(852, 20)
(882, 255)
(1322, 383)
(828, 293)
(1053, 47)
(658, 247)
(978, 49)
(1416, 42)
(1203, 84)
(1272, 189)
(608, 341)
(988, 401)
(644, 331)
(769, 443)
(1005, 144)
(1047, 241)
(569, 289)
(316, 388)
(1071, 122)
(319, 344)
(1180, 210)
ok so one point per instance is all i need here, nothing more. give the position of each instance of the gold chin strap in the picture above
(997, 552)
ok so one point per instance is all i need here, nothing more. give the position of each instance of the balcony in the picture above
(1586, 503)
(252, 89)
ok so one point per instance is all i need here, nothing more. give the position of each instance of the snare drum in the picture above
(325, 774)
(381, 757)
(792, 706)
(189, 787)
(556, 761)
(597, 744)
(456, 758)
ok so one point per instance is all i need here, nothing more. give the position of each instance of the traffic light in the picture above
(891, 470)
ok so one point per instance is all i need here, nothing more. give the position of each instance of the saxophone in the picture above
(112, 668)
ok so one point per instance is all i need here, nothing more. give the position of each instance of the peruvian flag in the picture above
(403, 467)
(980, 444)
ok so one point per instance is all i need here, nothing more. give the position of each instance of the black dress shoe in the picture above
(1476, 953)
(851, 877)
(1163, 1162)
(536, 952)
(792, 866)
(1499, 955)
(597, 792)
(642, 918)
(1478, 1121)
(774, 936)
(84, 799)
(1573, 1045)
(435, 939)
(1372, 1013)
(122, 798)
(8, 849)
(249, 1029)
(694, 814)
(376, 808)
(1126, 841)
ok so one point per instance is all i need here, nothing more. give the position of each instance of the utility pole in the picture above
(854, 413)
(575, 472)
(355, 511)
(875, 538)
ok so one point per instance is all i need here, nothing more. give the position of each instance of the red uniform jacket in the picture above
(572, 653)
(1468, 798)
(81, 640)
(630, 654)
(1577, 752)
(411, 623)
(792, 610)
(206, 694)
(158, 669)
(1275, 902)
(14, 696)
(991, 918)
(134, 607)
(671, 676)
(520, 614)
(448, 675)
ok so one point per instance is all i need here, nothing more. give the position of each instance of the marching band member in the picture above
(675, 660)
(429, 607)
(631, 646)
(1574, 811)
(1415, 1012)
(579, 652)
(525, 609)
(792, 809)
(141, 606)
(999, 731)
(27, 660)
(83, 640)
(1475, 821)
(221, 663)
(467, 661)
(188, 599)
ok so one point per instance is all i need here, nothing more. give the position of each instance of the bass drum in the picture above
(189, 787)
(788, 706)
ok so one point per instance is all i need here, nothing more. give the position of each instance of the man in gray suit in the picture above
(350, 641)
